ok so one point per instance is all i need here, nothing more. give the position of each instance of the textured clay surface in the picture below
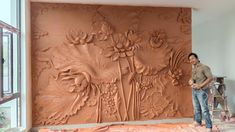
(95, 63)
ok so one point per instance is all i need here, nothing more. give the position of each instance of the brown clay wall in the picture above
(94, 63)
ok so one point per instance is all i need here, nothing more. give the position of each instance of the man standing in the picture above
(201, 77)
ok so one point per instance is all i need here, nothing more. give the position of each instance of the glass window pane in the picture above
(9, 115)
(11, 62)
(8, 12)
(7, 62)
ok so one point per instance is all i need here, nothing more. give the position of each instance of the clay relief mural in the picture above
(106, 63)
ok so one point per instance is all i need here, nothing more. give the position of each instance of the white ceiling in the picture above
(202, 9)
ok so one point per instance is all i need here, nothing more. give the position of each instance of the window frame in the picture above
(17, 94)
(15, 77)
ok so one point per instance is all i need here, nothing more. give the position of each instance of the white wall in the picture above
(230, 55)
(26, 67)
(213, 39)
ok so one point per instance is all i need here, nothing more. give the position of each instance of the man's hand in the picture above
(190, 82)
(196, 86)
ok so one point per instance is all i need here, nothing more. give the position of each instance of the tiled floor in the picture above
(176, 125)
(225, 126)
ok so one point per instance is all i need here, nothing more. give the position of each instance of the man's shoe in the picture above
(208, 130)
(195, 124)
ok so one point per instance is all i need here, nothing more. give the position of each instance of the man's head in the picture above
(193, 58)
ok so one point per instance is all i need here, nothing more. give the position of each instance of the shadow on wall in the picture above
(230, 89)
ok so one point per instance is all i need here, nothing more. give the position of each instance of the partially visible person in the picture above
(201, 77)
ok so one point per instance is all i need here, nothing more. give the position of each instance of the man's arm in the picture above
(205, 83)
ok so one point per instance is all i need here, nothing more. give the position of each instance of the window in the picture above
(10, 64)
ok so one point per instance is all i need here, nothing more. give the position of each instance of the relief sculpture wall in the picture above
(93, 63)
